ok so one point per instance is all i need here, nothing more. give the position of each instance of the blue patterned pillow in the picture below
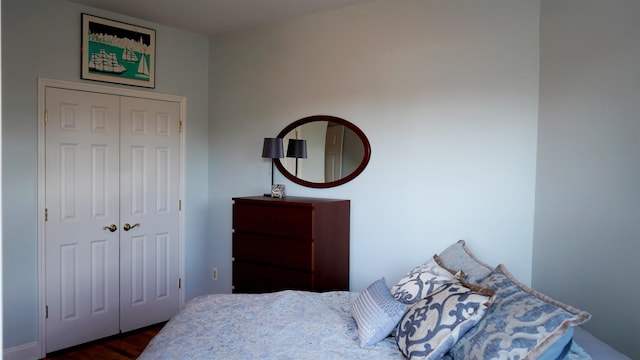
(458, 257)
(432, 325)
(420, 281)
(376, 313)
(521, 324)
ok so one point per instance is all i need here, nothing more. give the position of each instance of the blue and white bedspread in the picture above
(282, 325)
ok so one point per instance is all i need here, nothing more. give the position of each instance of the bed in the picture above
(481, 313)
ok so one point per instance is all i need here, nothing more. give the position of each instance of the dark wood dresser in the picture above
(290, 243)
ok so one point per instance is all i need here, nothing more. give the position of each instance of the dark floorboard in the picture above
(118, 347)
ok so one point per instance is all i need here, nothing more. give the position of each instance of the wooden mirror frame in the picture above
(365, 158)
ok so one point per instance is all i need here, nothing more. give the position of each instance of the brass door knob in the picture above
(111, 227)
(128, 227)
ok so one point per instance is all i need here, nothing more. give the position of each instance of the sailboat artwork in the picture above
(117, 52)
(143, 67)
(106, 63)
(129, 55)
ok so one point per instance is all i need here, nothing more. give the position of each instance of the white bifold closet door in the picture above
(111, 233)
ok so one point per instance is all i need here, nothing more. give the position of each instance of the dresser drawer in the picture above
(256, 278)
(282, 252)
(295, 221)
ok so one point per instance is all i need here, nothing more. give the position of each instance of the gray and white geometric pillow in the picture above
(458, 257)
(421, 281)
(434, 324)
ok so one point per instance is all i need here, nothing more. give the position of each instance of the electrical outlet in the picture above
(214, 274)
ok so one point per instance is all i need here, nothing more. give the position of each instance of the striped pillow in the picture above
(376, 313)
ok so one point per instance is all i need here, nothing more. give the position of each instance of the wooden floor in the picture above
(118, 347)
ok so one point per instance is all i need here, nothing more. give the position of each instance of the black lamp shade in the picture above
(297, 149)
(272, 148)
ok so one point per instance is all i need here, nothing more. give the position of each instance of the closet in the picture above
(111, 230)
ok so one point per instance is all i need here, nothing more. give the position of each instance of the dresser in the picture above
(295, 243)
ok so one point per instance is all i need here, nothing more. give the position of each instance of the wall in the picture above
(41, 38)
(447, 93)
(587, 217)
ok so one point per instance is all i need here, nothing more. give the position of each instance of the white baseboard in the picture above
(30, 351)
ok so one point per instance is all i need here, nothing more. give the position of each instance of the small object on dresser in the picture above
(277, 190)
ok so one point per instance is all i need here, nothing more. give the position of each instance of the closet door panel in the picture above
(81, 197)
(150, 169)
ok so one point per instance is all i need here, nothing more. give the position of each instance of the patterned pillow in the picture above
(376, 313)
(420, 281)
(521, 324)
(458, 257)
(432, 325)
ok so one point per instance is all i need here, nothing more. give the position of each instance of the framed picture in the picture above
(277, 190)
(117, 52)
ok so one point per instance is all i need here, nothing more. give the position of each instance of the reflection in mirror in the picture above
(337, 151)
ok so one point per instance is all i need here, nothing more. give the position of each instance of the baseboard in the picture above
(30, 351)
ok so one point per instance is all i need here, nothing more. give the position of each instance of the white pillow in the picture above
(434, 324)
(421, 281)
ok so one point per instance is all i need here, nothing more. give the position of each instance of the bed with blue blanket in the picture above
(450, 307)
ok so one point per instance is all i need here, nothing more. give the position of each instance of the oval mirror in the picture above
(336, 151)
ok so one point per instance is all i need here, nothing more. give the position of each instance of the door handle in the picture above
(128, 227)
(111, 228)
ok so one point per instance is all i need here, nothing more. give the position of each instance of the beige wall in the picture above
(587, 238)
(446, 91)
